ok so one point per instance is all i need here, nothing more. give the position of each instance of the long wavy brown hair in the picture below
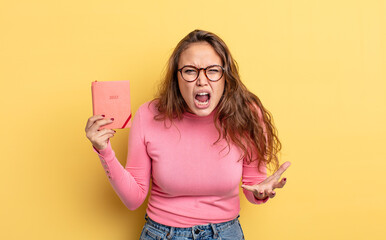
(240, 116)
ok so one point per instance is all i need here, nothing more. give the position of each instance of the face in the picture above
(202, 96)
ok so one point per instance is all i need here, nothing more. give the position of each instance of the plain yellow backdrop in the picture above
(317, 65)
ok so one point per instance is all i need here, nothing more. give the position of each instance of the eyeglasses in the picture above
(190, 73)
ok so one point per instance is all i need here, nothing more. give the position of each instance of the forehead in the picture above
(200, 54)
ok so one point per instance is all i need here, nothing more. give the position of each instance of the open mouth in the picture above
(202, 99)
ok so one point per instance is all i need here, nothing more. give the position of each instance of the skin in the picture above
(200, 55)
(98, 138)
(266, 188)
(261, 191)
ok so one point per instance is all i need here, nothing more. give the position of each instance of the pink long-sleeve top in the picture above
(194, 181)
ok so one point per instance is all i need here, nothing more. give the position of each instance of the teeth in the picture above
(202, 103)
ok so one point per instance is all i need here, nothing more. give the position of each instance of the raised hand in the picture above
(98, 138)
(266, 188)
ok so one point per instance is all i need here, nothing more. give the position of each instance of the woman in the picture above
(202, 134)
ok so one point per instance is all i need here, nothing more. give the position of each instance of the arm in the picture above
(132, 182)
(264, 189)
(251, 175)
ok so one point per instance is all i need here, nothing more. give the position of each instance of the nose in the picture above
(202, 80)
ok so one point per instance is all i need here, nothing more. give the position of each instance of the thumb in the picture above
(249, 188)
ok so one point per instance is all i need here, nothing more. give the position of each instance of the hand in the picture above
(266, 188)
(98, 138)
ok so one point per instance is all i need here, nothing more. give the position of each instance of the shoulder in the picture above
(148, 109)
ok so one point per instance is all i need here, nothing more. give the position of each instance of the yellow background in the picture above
(318, 66)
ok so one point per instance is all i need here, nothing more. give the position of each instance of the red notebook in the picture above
(112, 98)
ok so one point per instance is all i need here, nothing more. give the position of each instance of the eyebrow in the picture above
(192, 65)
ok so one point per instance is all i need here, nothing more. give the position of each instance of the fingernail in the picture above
(112, 119)
(103, 115)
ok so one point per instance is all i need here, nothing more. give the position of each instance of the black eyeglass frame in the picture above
(199, 70)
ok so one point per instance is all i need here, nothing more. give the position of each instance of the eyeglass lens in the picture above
(213, 73)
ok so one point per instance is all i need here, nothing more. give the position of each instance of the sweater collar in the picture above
(207, 118)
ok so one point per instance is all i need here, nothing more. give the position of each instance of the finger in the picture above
(249, 188)
(262, 194)
(106, 136)
(101, 133)
(272, 194)
(92, 120)
(101, 140)
(281, 169)
(101, 122)
(280, 184)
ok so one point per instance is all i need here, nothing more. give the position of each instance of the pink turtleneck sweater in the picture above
(194, 182)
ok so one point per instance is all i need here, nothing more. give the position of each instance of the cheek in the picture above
(184, 89)
(220, 90)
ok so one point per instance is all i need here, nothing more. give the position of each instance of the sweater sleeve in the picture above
(132, 182)
(251, 174)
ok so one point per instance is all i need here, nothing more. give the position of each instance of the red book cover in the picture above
(112, 98)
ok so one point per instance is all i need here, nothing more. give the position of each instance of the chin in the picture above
(202, 112)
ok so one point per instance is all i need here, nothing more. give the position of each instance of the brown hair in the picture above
(240, 116)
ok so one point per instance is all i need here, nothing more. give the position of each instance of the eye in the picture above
(189, 71)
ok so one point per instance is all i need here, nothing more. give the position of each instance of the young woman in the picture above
(202, 134)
